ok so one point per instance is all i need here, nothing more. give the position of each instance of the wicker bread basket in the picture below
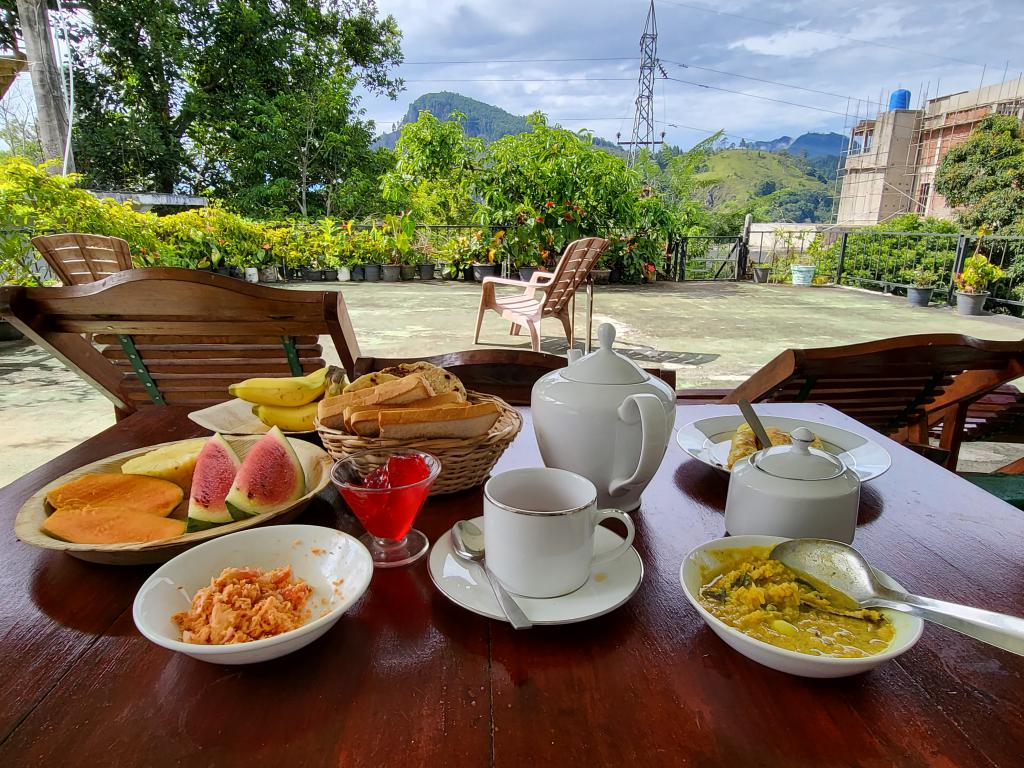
(465, 462)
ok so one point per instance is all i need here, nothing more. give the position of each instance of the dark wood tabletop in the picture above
(407, 678)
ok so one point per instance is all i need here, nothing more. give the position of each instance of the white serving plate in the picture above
(908, 628)
(234, 417)
(709, 440)
(319, 556)
(316, 465)
(610, 584)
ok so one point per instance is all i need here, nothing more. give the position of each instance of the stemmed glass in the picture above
(386, 489)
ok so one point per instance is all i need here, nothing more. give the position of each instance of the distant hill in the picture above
(784, 186)
(810, 144)
(483, 120)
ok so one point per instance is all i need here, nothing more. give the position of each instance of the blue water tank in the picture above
(899, 99)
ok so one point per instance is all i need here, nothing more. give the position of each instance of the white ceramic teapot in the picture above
(605, 418)
(794, 491)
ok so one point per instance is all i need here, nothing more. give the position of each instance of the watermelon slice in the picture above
(215, 471)
(270, 477)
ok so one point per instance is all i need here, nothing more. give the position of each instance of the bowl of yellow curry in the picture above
(771, 615)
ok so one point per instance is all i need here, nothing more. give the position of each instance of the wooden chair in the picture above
(77, 259)
(557, 289)
(179, 337)
(901, 387)
(508, 373)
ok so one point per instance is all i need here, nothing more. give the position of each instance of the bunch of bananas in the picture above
(290, 403)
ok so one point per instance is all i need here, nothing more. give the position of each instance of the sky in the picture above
(847, 55)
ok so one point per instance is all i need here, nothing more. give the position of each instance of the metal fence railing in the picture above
(882, 261)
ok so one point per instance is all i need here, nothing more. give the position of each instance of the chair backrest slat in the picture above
(889, 383)
(80, 258)
(194, 333)
(572, 269)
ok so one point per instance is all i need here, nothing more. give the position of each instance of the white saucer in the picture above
(610, 584)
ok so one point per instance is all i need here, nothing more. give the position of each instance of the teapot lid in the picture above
(798, 461)
(604, 365)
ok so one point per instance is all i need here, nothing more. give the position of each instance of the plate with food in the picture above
(771, 615)
(423, 407)
(253, 595)
(721, 441)
(150, 504)
(288, 403)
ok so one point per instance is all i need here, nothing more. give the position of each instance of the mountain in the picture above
(809, 144)
(485, 121)
(774, 145)
(782, 186)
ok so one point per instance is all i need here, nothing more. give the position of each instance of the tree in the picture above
(984, 176)
(51, 112)
(435, 163)
(174, 92)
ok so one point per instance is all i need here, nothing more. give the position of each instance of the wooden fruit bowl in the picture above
(27, 525)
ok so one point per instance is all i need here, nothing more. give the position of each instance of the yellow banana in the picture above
(297, 418)
(298, 390)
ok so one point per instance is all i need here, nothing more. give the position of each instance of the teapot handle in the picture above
(650, 412)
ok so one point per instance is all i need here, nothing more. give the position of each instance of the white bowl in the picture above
(908, 628)
(320, 556)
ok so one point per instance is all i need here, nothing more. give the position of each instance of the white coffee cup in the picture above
(539, 530)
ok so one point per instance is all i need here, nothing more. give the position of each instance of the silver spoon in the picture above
(468, 543)
(844, 569)
(755, 424)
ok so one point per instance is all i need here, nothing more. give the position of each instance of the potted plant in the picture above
(484, 254)
(802, 274)
(971, 283)
(922, 285)
(761, 274)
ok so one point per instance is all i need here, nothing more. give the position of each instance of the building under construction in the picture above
(890, 164)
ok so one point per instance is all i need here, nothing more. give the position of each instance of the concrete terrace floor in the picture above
(714, 334)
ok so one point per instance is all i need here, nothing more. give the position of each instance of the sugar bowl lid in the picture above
(604, 365)
(798, 461)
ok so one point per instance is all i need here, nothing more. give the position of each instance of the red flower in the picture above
(567, 216)
(220, 241)
(539, 219)
(549, 204)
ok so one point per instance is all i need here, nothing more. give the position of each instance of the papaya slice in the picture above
(109, 525)
(129, 493)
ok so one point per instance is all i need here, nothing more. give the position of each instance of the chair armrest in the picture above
(537, 276)
(506, 281)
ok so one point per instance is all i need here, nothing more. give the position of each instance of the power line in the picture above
(791, 28)
(473, 62)
(519, 80)
(770, 82)
(520, 61)
(755, 96)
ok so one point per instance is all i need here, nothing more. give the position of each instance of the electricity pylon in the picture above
(643, 121)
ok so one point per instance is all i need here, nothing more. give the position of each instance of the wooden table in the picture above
(409, 679)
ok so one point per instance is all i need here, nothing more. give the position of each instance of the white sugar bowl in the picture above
(794, 491)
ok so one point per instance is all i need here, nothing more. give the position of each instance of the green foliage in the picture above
(556, 186)
(920, 277)
(248, 99)
(977, 274)
(434, 165)
(984, 176)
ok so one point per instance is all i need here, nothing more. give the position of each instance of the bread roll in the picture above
(368, 413)
(455, 422)
(440, 380)
(331, 410)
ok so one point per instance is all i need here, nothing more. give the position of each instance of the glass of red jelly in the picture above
(385, 489)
